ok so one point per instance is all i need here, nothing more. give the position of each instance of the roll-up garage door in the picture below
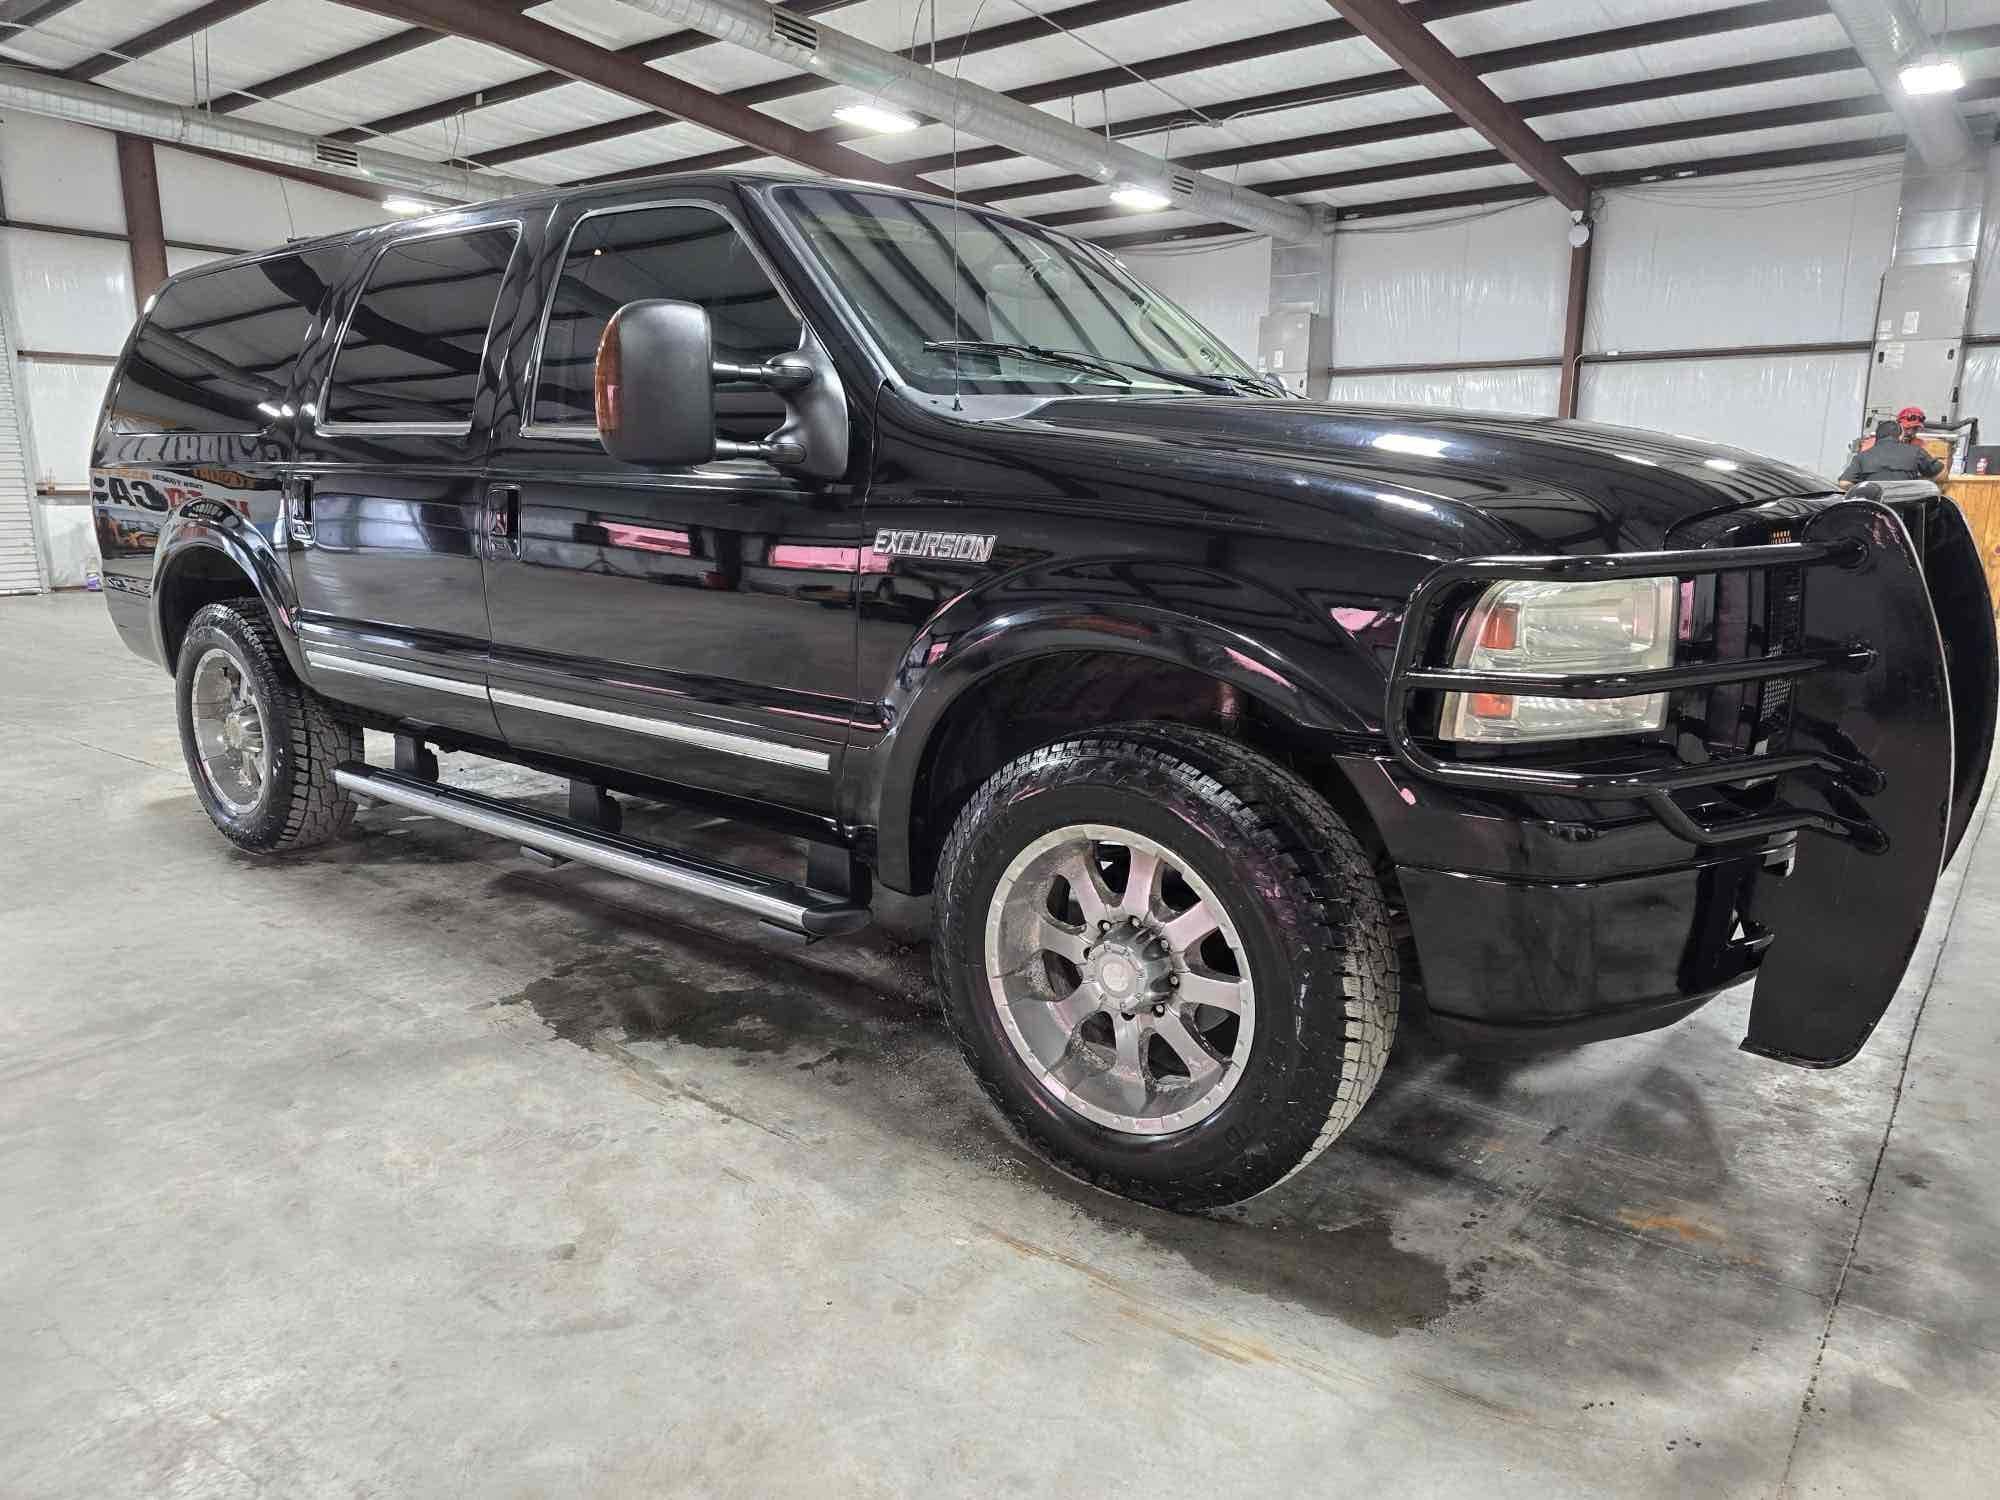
(20, 558)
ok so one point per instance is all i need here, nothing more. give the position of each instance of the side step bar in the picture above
(779, 902)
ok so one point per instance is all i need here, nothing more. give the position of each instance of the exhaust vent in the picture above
(794, 32)
(333, 154)
(1181, 184)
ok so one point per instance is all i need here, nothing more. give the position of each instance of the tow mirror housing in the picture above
(656, 379)
(655, 389)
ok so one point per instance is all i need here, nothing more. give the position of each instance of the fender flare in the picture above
(966, 644)
(184, 537)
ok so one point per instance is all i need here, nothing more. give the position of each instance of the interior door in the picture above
(693, 625)
(385, 502)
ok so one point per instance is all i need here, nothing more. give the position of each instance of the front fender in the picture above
(1292, 664)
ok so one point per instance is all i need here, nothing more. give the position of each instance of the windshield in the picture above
(1026, 312)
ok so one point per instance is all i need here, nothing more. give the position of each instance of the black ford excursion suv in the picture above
(939, 541)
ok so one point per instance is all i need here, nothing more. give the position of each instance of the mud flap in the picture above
(1846, 919)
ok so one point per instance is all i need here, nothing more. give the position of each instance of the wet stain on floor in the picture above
(1352, 1272)
(842, 1032)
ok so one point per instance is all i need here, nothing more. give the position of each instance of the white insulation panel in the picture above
(1803, 409)
(1531, 391)
(58, 173)
(1468, 288)
(1226, 289)
(208, 202)
(63, 402)
(68, 293)
(1753, 259)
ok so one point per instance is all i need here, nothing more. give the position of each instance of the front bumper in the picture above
(1878, 770)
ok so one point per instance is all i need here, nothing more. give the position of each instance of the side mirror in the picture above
(655, 386)
(656, 378)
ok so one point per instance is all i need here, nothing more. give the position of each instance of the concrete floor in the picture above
(408, 1169)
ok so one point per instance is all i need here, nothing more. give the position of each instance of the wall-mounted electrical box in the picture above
(1296, 345)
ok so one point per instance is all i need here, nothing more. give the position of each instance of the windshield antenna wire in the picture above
(957, 209)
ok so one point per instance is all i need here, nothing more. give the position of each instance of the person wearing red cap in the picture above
(1893, 453)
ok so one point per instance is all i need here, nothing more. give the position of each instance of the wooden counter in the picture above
(1978, 495)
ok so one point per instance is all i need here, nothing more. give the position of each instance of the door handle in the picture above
(503, 516)
(298, 507)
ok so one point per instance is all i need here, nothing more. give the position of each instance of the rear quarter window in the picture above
(412, 348)
(218, 350)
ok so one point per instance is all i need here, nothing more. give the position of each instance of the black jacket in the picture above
(1891, 458)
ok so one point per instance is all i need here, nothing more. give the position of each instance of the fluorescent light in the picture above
(400, 205)
(1405, 442)
(874, 117)
(1144, 200)
(1928, 73)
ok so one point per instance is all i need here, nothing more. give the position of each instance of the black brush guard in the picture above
(1875, 761)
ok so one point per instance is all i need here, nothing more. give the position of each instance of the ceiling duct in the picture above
(1887, 33)
(33, 93)
(988, 116)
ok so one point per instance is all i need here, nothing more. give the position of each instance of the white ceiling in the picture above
(267, 40)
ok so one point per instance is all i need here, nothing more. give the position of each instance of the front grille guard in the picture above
(1654, 787)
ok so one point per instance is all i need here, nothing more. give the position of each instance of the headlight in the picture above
(1621, 625)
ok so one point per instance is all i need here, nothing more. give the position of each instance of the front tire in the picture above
(1167, 960)
(260, 745)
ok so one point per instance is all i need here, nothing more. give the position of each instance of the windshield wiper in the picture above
(1066, 358)
(1218, 382)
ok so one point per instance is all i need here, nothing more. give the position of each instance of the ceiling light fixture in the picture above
(399, 205)
(1930, 72)
(1140, 199)
(874, 117)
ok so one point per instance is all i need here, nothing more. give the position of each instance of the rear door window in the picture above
(413, 345)
(685, 252)
(218, 350)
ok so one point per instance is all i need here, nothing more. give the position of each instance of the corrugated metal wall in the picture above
(68, 289)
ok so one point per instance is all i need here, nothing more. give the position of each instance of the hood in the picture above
(1552, 485)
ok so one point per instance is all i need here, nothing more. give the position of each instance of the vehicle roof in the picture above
(487, 209)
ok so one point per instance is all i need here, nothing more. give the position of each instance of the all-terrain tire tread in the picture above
(318, 811)
(1344, 942)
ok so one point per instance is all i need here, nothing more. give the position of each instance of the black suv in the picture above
(1210, 716)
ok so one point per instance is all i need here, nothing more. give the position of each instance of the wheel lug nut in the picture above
(1173, 981)
(1159, 1010)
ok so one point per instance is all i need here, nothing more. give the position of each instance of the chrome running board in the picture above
(779, 902)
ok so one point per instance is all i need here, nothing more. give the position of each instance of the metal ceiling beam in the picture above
(651, 50)
(1713, 166)
(164, 35)
(328, 68)
(876, 73)
(1743, 122)
(1623, 38)
(1412, 48)
(17, 16)
(572, 56)
(963, 45)
(1707, 23)
(1221, 54)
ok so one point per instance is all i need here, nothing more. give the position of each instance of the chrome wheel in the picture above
(1120, 979)
(229, 733)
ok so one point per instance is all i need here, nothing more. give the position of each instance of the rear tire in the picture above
(1182, 1070)
(260, 745)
